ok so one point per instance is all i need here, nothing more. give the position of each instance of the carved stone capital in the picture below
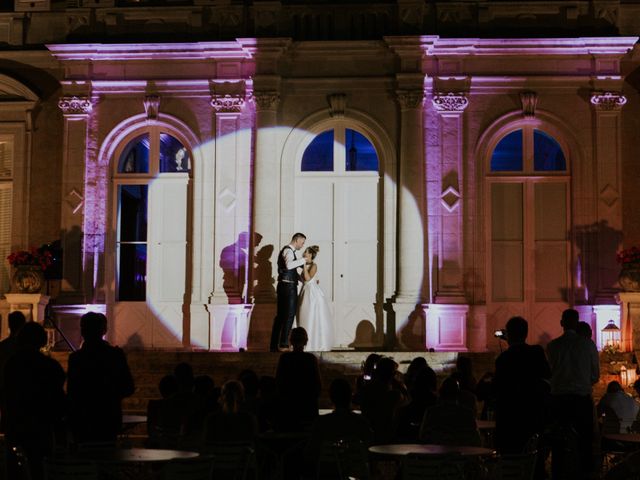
(409, 99)
(266, 100)
(75, 105)
(337, 104)
(227, 103)
(607, 101)
(450, 102)
(529, 101)
(151, 106)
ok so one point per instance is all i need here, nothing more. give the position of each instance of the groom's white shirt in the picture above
(289, 260)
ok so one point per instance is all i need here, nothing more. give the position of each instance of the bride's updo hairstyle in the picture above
(313, 250)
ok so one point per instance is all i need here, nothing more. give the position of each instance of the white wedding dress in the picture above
(314, 316)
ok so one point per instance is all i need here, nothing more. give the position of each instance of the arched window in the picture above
(6, 206)
(528, 222)
(528, 151)
(340, 150)
(152, 172)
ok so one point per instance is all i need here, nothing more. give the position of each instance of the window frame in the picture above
(339, 152)
(132, 178)
(528, 154)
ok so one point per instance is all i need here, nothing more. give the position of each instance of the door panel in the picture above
(357, 239)
(529, 254)
(340, 215)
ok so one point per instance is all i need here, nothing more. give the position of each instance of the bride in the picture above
(313, 310)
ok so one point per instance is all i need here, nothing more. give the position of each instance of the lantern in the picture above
(610, 337)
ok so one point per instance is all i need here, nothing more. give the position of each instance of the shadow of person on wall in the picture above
(264, 293)
(233, 261)
(596, 270)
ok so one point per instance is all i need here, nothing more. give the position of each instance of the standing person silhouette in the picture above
(34, 402)
(288, 263)
(99, 378)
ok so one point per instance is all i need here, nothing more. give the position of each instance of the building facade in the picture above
(450, 181)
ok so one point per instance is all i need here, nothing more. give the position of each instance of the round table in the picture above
(399, 450)
(133, 455)
(327, 411)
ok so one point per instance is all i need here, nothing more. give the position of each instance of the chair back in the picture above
(200, 468)
(565, 454)
(69, 469)
(515, 467)
(21, 462)
(342, 459)
(417, 466)
(232, 460)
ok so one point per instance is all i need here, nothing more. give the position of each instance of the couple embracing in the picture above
(310, 306)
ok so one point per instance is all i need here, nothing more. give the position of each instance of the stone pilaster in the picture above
(76, 111)
(450, 235)
(266, 196)
(231, 218)
(607, 108)
(412, 277)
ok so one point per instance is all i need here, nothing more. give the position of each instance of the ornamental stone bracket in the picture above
(227, 103)
(266, 100)
(608, 101)
(410, 99)
(75, 105)
(450, 102)
(152, 106)
(529, 101)
(337, 104)
(228, 97)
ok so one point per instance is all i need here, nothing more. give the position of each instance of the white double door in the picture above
(340, 215)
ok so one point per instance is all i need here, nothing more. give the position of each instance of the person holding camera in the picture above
(522, 389)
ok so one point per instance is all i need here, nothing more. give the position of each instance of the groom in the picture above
(288, 263)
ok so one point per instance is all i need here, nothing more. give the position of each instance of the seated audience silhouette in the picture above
(449, 422)
(34, 401)
(8, 347)
(162, 433)
(368, 366)
(423, 395)
(619, 409)
(231, 424)
(342, 425)
(99, 378)
(381, 399)
(298, 381)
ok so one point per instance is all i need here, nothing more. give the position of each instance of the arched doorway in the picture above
(337, 192)
(151, 176)
(528, 226)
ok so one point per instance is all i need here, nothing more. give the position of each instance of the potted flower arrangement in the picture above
(28, 269)
(629, 277)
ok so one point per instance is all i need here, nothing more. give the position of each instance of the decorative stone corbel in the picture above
(608, 100)
(337, 104)
(75, 105)
(409, 99)
(152, 106)
(228, 97)
(529, 101)
(266, 100)
(450, 102)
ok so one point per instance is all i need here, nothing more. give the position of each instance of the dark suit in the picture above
(287, 292)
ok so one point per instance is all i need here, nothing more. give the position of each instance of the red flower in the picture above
(39, 257)
(628, 256)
